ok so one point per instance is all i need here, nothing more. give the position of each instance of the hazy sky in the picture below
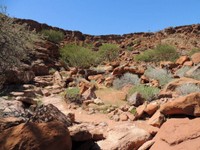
(107, 16)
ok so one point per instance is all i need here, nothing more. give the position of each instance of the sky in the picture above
(100, 17)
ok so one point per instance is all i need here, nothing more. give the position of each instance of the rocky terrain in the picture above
(36, 114)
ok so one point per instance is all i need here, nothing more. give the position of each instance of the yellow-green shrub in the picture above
(72, 94)
(160, 53)
(147, 92)
(78, 56)
(53, 35)
(108, 52)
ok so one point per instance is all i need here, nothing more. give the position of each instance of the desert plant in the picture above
(52, 71)
(108, 52)
(72, 94)
(53, 35)
(126, 79)
(88, 45)
(181, 72)
(187, 88)
(147, 92)
(160, 53)
(193, 51)
(162, 75)
(16, 41)
(78, 56)
(133, 111)
(195, 74)
(129, 48)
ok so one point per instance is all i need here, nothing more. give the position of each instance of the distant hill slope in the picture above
(182, 37)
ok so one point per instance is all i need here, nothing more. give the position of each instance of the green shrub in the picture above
(133, 111)
(162, 75)
(53, 35)
(187, 88)
(78, 56)
(129, 48)
(147, 92)
(88, 45)
(126, 79)
(160, 53)
(193, 51)
(108, 52)
(72, 94)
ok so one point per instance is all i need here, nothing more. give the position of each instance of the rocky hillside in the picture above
(182, 37)
(118, 104)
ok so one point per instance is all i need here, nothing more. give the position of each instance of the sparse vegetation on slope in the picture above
(181, 72)
(72, 94)
(162, 75)
(126, 79)
(78, 56)
(53, 35)
(160, 53)
(187, 89)
(15, 42)
(147, 92)
(193, 51)
(108, 52)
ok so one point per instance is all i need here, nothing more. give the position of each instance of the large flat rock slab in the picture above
(178, 134)
(124, 137)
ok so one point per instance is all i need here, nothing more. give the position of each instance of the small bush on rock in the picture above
(162, 75)
(53, 35)
(147, 92)
(196, 75)
(72, 94)
(133, 111)
(126, 79)
(187, 88)
(160, 53)
(181, 72)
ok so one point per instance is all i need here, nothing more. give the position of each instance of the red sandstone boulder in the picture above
(36, 136)
(124, 137)
(157, 119)
(185, 105)
(196, 58)
(173, 85)
(178, 134)
(182, 59)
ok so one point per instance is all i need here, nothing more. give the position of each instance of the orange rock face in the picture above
(185, 105)
(46, 136)
(196, 58)
(182, 59)
(177, 134)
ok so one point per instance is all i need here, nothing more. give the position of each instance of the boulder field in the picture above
(38, 112)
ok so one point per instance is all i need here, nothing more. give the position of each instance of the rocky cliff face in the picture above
(182, 37)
